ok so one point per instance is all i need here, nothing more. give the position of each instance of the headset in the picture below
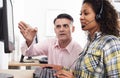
(98, 16)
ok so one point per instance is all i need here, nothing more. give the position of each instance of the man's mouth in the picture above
(61, 34)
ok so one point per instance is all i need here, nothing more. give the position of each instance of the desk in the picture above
(19, 73)
(16, 64)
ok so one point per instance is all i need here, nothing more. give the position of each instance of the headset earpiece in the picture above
(98, 16)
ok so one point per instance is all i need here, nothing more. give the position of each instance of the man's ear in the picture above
(54, 30)
(73, 28)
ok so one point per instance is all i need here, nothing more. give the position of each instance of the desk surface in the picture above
(19, 73)
(16, 63)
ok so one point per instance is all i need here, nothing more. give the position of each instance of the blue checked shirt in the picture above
(100, 58)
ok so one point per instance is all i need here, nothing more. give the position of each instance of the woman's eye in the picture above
(85, 13)
(80, 14)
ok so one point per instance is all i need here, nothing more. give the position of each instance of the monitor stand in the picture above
(5, 75)
(28, 60)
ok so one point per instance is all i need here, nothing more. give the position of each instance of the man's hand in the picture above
(27, 31)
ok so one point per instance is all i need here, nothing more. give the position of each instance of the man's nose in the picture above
(62, 28)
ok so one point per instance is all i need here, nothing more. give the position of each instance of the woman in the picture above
(101, 56)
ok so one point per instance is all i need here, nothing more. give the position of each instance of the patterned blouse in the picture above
(100, 58)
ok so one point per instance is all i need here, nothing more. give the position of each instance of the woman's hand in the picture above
(60, 73)
(64, 74)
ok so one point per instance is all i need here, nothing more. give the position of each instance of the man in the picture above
(61, 50)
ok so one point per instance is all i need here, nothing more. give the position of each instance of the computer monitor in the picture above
(7, 25)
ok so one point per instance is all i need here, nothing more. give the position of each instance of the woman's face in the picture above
(87, 19)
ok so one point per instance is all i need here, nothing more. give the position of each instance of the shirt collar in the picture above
(68, 48)
(56, 43)
(97, 35)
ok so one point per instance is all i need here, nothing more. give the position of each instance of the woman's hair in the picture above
(106, 16)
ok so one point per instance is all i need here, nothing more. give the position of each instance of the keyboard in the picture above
(44, 73)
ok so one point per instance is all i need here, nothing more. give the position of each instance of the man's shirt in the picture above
(56, 55)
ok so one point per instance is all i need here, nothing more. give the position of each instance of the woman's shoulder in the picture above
(111, 38)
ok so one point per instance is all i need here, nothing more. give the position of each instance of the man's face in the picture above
(63, 28)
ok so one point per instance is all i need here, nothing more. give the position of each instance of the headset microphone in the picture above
(87, 23)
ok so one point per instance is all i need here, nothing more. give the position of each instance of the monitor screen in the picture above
(7, 25)
(1, 27)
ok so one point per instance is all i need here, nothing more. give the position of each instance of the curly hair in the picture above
(108, 20)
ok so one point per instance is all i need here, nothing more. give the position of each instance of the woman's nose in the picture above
(82, 17)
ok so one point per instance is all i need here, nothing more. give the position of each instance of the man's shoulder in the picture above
(75, 43)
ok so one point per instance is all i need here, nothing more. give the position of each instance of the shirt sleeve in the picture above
(24, 47)
(112, 58)
(41, 48)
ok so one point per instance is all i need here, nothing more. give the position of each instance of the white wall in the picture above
(116, 4)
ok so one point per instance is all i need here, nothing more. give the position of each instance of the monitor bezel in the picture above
(6, 34)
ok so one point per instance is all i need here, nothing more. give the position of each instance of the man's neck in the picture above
(64, 43)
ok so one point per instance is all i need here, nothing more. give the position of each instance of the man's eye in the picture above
(65, 25)
(58, 26)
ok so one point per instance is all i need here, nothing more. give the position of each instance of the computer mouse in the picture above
(44, 60)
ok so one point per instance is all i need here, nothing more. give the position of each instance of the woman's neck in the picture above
(92, 33)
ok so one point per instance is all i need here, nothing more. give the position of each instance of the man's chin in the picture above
(62, 39)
